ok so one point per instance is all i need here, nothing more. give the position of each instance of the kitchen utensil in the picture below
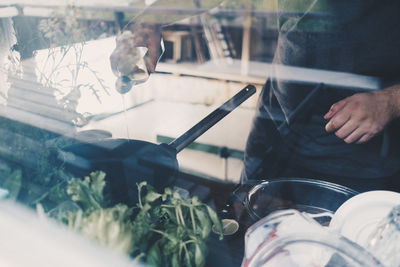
(128, 161)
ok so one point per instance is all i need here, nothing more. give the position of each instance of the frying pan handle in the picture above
(188, 137)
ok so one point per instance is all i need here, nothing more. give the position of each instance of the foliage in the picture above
(83, 209)
(166, 230)
(172, 230)
(67, 37)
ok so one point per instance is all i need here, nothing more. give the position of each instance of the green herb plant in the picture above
(164, 229)
(172, 230)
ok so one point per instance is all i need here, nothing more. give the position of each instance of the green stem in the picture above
(160, 232)
(193, 220)
(186, 252)
(177, 215)
(140, 198)
(180, 250)
(181, 215)
(138, 257)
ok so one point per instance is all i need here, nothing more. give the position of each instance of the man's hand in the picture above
(125, 57)
(358, 118)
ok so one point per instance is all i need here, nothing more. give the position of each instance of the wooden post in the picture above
(246, 43)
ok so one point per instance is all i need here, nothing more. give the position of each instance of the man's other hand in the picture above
(360, 117)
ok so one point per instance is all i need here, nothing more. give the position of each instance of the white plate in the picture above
(359, 216)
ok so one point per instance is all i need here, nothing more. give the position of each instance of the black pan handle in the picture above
(201, 127)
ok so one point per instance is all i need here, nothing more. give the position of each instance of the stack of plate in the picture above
(359, 216)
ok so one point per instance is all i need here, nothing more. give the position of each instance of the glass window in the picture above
(141, 123)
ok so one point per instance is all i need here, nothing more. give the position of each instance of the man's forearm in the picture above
(393, 93)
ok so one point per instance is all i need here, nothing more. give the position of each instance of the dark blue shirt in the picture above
(353, 36)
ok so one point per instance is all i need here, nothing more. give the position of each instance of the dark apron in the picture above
(298, 145)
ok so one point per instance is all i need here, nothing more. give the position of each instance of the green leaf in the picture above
(195, 201)
(199, 257)
(204, 222)
(167, 191)
(216, 221)
(141, 185)
(13, 184)
(152, 196)
(81, 192)
(167, 194)
(188, 259)
(154, 256)
(89, 191)
(98, 183)
(146, 207)
(176, 195)
(175, 260)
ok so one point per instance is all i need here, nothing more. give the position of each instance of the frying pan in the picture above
(127, 162)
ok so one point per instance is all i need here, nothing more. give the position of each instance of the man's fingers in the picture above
(360, 117)
(335, 108)
(337, 121)
(364, 138)
(355, 136)
(348, 128)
